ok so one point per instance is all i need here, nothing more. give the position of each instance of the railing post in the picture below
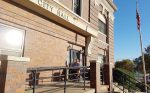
(34, 80)
(84, 76)
(13, 74)
(65, 78)
(95, 75)
(123, 84)
(129, 85)
(103, 75)
(148, 90)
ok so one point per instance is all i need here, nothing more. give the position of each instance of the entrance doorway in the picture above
(75, 54)
(101, 59)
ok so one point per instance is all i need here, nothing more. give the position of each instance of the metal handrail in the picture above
(130, 80)
(120, 88)
(34, 72)
(134, 79)
(55, 68)
(129, 76)
(127, 84)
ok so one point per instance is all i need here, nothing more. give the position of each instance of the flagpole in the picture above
(143, 61)
(142, 53)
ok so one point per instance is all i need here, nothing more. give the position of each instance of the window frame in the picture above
(102, 58)
(72, 55)
(8, 50)
(81, 56)
(81, 4)
(100, 22)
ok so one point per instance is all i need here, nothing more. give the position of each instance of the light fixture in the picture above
(68, 48)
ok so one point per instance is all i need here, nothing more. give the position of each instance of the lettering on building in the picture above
(62, 14)
(51, 8)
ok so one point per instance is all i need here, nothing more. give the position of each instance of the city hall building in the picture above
(56, 32)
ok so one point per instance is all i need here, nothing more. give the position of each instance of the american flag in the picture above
(138, 19)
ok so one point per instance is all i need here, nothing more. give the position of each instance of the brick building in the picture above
(55, 32)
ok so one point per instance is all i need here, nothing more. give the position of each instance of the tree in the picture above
(125, 64)
(138, 61)
(147, 50)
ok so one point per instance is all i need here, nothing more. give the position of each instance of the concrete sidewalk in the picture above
(72, 87)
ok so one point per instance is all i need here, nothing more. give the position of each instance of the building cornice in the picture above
(60, 14)
(56, 1)
(112, 5)
(14, 58)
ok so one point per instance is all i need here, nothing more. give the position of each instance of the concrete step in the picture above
(58, 87)
(103, 89)
(90, 91)
(61, 90)
(119, 88)
(115, 83)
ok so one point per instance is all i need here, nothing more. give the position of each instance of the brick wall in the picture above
(93, 14)
(84, 7)
(46, 42)
(99, 45)
(95, 75)
(111, 41)
(12, 75)
(45, 39)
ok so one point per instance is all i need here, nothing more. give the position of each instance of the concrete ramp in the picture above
(59, 88)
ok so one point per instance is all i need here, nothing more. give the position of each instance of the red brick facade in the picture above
(94, 75)
(47, 41)
(12, 74)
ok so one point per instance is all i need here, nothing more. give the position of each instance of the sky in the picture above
(127, 44)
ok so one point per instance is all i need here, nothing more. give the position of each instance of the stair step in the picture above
(115, 83)
(104, 88)
(90, 91)
(119, 88)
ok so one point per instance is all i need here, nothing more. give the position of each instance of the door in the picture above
(101, 60)
(75, 54)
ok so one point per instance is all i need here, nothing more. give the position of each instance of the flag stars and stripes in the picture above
(138, 19)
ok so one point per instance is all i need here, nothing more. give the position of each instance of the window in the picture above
(100, 8)
(11, 40)
(102, 27)
(77, 7)
(75, 54)
(100, 58)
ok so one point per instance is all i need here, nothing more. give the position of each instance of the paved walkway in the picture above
(72, 87)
